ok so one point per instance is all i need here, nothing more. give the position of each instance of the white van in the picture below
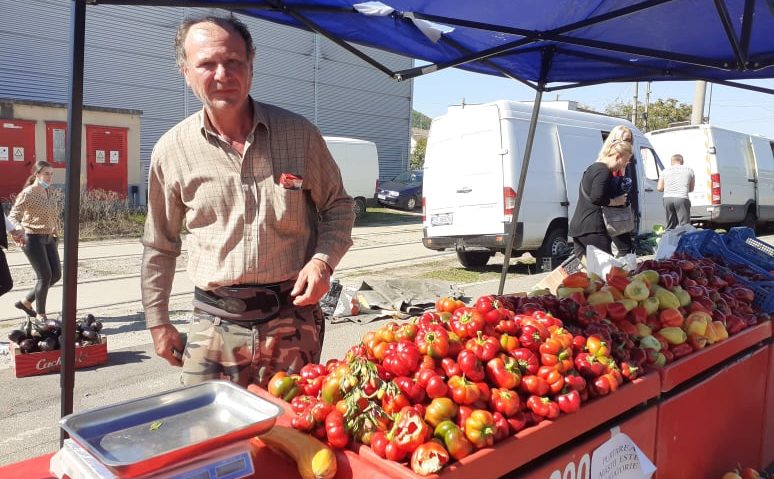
(734, 172)
(472, 166)
(359, 165)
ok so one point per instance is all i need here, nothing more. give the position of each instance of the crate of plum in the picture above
(35, 347)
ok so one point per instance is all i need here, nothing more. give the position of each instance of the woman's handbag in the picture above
(618, 219)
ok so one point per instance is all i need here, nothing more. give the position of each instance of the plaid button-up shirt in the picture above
(245, 226)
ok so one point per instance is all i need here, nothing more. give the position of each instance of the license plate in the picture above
(444, 219)
(381, 197)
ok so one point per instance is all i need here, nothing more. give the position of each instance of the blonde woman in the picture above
(35, 210)
(597, 189)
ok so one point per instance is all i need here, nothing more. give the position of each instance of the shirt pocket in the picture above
(289, 208)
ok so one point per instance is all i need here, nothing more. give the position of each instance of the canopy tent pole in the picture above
(511, 228)
(72, 206)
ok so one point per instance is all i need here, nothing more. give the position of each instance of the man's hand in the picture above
(18, 237)
(312, 283)
(166, 340)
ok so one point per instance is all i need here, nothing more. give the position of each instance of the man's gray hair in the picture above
(229, 23)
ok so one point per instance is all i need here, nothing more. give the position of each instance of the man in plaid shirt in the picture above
(267, 215)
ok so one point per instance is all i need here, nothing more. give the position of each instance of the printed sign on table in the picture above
(620, 458)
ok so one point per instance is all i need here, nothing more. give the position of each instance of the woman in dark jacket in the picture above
(587, 226)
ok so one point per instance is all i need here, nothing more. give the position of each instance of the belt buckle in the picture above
(273, 294)
(232, 305)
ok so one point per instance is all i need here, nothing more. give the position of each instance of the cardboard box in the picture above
(44, 362)
(554, 279)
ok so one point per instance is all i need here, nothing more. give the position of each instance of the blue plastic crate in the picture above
(708, 243)
(764, 293)
(742, 241)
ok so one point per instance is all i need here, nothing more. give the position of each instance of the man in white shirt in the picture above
(676, 182)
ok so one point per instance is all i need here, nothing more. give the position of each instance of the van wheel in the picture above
(554, 244)
(750, 220)
(359, 207)
(411, 204)
(473, 259)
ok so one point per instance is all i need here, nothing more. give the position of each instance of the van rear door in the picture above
(579, 147)
(463, 184)
(763, 150)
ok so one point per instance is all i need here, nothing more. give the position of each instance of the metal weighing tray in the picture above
(147, 434)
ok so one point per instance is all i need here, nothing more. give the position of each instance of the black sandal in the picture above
(30, 312)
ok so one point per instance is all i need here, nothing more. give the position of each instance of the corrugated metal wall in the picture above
(130, 64)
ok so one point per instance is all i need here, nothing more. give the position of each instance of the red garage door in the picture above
(106, 160)
(17, 155)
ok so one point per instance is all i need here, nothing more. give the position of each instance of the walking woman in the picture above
(35, 210)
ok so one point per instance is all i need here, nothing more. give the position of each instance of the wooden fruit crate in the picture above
(44, 362)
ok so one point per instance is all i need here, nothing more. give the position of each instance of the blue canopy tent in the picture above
(548, 46)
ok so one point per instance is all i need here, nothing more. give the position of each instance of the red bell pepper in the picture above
(450, 367)
(335, 430)
(671, 317)
(429, 458)
(462, 390)
(484, 347)
(532, 335)
(589, 365)
(401, 358)
(504, 372)
(454, 439)
(505, 401)
(681, 350)
(480, 428)
(554, 378)
(616, 311)
(409, 430)
(591, 313)
(406, 332)
(433, 341)
(466, 322)
(569, 402)
(470, 365)
(413, 391)
(534, 385)
(638, 314)
(573, 381)
(596, 346)
(527, 361)
(439, 410)
(543, 406)
(554, 354)
(508, 343)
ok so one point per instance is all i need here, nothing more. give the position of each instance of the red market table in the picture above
(716, 423)
(691, 366)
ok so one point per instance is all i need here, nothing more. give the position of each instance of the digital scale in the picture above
(228, 462)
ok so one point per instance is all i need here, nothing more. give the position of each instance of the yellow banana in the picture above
(314, 459)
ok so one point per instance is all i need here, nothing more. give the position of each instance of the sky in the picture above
(727, 107)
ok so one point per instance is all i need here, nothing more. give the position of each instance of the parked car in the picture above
(403, 191)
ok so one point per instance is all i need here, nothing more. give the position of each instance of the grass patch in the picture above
(460, 275)
(388, 216)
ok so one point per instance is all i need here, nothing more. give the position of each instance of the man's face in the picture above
(217, 67)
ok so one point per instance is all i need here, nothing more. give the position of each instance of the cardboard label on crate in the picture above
(44, 362)
(620, 458)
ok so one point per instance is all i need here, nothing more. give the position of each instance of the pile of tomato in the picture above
(437, 387)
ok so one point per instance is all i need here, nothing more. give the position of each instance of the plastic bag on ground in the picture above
(600, 262)
(669, 241)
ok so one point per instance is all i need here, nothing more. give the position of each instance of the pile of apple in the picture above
(661, 312)
(745, 473)
(40, 336)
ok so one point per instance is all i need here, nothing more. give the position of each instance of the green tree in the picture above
(660, 113)
(420, 120)
(418, 155)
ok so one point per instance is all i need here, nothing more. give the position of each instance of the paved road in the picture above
(29, 414)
